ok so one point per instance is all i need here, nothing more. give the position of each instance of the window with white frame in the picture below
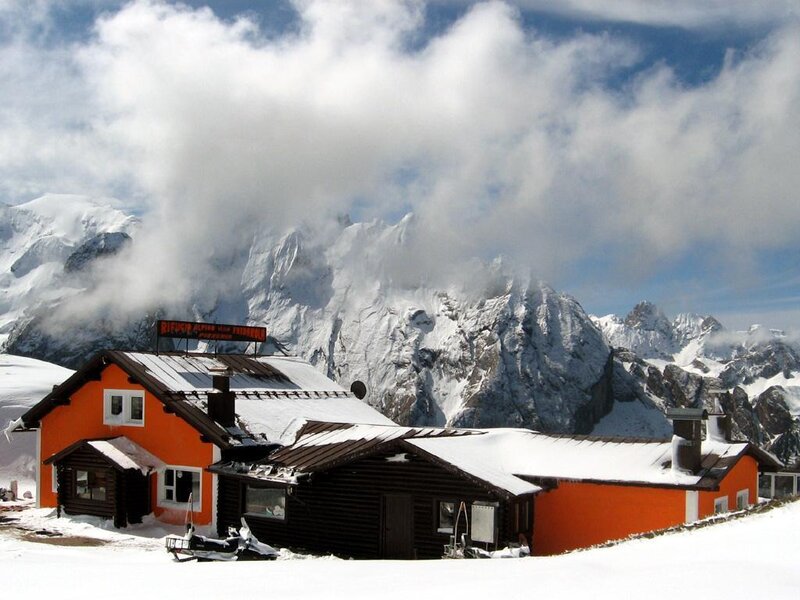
(123, 407)
(721, 505)
(179, 486)
(742, 499)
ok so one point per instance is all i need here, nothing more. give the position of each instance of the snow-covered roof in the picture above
(536, 455)
(327, 436)
(193, 372)
(274, 395)
(127, 454)
(513, 460)
(320, 446)
(279, 419)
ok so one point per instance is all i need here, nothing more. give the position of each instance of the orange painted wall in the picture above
(577, 515)
(744, 475)
(167, 436)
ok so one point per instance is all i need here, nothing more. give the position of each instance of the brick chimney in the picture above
(222, 401)
(687, 438)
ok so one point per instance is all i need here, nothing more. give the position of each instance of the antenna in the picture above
(359, 389)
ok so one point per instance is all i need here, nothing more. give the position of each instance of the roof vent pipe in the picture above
(222, 401)
(687, 438)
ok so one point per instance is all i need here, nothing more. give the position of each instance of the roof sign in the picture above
(211, 331)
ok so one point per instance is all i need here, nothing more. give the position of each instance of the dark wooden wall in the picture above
(127, 492)
(340, 511)
(85, 459)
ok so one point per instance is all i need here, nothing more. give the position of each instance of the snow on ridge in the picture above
(71, 216)
(37, 238)
(23, 382)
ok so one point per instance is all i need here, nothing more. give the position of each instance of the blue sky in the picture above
(620, 150)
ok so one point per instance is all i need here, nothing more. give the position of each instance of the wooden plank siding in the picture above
(85, 459)
(339, 511)
(127, 492)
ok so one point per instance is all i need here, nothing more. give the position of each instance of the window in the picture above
(721, 505)
(54, 481)
(447, 517)
(266, 502)
(123, 407)
(522, 516)
(765, 482)
(137, 408)
(784, 485)
(179, 485)
(742, 499)
(90, 484)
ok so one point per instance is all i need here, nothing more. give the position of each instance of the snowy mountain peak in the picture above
(37, 240)
(645, 330)
(689, 326)
(646, 316)
(73, 217)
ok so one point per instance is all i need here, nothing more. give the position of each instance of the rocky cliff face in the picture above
(517, 355)
(504, 353)
(693, 361)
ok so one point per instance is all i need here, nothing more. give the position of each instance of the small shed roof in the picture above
(120, 452)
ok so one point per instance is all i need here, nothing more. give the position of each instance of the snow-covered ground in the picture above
(755, 556)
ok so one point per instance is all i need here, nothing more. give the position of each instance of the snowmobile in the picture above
(239, 545)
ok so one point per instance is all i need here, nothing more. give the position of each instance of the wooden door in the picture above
(398, 526)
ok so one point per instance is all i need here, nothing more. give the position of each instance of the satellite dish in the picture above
(359, 389)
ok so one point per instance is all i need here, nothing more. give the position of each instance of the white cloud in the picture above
(500, 141)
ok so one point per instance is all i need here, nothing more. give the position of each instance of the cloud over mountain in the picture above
(501, 140)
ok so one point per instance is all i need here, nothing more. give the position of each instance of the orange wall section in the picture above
(165, 435)
(577, 515)
(743, 476)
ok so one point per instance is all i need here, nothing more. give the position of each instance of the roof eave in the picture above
(60, 396)
(488, 486)
(60, 393)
